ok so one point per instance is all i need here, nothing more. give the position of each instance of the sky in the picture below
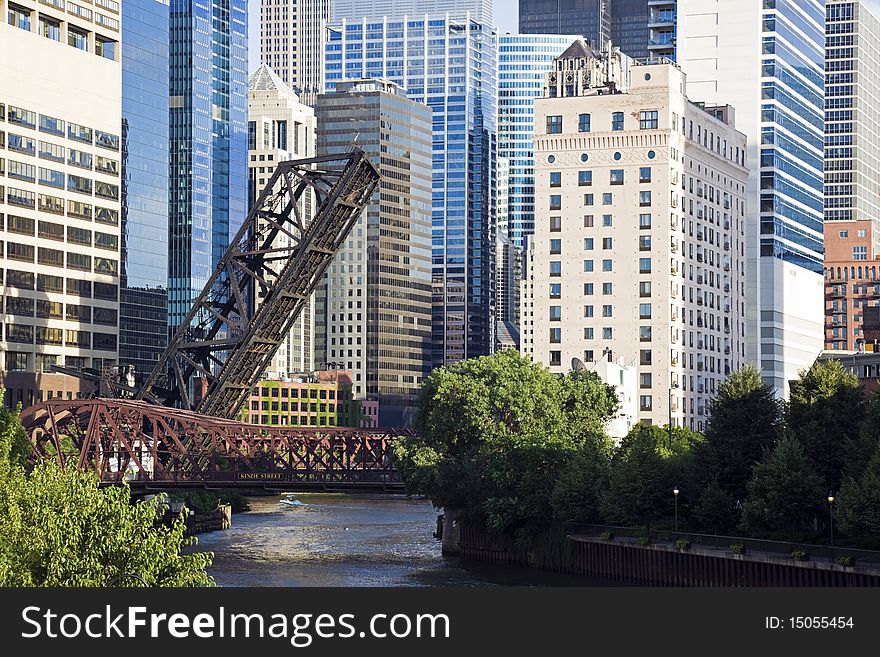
(506, 12)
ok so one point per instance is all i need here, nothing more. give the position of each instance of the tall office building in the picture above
(450, 65)
(479, 10)
(770, 58)
(639, 245)
(852, 171)
(280, 128)
(662, 28)
(376, 310)
(590, 19)
(523, 59)
(60, 119)
(291, 42)
(508, 272)
(143, 294)
(207, 142)
(630, 26)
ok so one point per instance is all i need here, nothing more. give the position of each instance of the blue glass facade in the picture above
(792, 132)
(208, 141)
(451, 66)
(522, 62)
(143, 312)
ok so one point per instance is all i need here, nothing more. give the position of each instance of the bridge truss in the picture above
(148, 445)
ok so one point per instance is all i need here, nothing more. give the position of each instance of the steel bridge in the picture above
(162, 433)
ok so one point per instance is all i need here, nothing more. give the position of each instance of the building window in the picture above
(644, 199)
(555, 202)
(644, 243)
(105, 48)
(19, 17)
(606, 265)
(644, 174)
(645, 289)
(588, 333)
(860, 253)
(555, 335)
(607, 243)
(607, 220)
(617, 121)
(554, 124)
(556, 179)
(51, 29)
(588, 266)
(588, 199)
(607, 198)
(555, 224)
(252, 135)
(588, 221)
(648, 120)
(555, 268)
(644, 311)
(616, 176)
(644, 357)
(863, 232)
(555, 247)
(588, 311)
(585, 178)
(644, 221)
(645, 380)
(645, 402)
(555, 358)
(588, 244)
(77, 38)
(588, 289)
(583, 122)
(555, 290)
(607, 310)
(607, 289)
(607, 333)
(644, 334)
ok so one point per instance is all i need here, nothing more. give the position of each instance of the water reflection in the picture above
(348, 540)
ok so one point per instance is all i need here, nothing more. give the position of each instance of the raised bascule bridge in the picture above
(162, 434)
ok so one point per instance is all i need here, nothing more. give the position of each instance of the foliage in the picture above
(643, 541)
(715, 510)
(203, 501)
(821, 397)
(745, 422)
(784, 492)
(642, 469)
(497, 435)
(683, 544)
(846, 560)
(606, 536)
(738, 548)
(577, 494)
(59, 528)
(861, 450)
(14, 444)
(859, 502)
(799, 555)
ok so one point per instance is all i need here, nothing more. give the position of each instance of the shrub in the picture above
(846, 560)
(644, 540)
(800, 555)
(683, 544)
(606, 536)
(738, 548)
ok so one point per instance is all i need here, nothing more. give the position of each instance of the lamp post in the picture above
(831, 518)
(675, 492)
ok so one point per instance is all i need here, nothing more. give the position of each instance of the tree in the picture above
(784, 492)
(59, 528)
(577, 494)
(825, 413)
(861, 450)
(14, 444)
(644, 471)
(745, 422)
(715, 510)
(859, 502)
(496, 432)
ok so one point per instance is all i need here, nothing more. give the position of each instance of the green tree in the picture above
(785, 494)
(644, 472)
(59, 528)
(745, 422)
(715, 510)
(577, 493)
(494, 435)
(861, 450)
(859, 502)
(14, 444)
(825, 414)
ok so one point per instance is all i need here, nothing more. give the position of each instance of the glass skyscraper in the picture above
(589, 18)
(143, 312)
(451, 65)
(523, 59)
(768, 61)
(208, 141)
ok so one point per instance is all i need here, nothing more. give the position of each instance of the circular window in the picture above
(551, 159)
(647, 76)
(584, 157)
(617, 155)
(651, 155)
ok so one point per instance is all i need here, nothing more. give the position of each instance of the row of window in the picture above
(27, 280)
(48, 124)
(45, 335)
(43, 309)
(313, 393)
(56, 258)
(295, 407)
(52, 231)
(56, 205)
(585, 177)
(648, 120)
(555, 200)
(50, 28)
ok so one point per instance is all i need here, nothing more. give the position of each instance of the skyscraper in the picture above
(60, 121)
(637, 256)
(590, 19)
(376, 310)
(291, 42)
(630, 29)
(143, 307)
(208, 141)
(450, 65)
(280, 128)
(852, 170)
(523, 59)
(662, 28)
(479, 10)
(770, 59)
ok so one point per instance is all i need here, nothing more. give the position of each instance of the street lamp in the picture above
(831, 518)
(675, 492)
(672, 387)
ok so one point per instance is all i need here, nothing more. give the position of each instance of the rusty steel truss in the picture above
(145, 444)
(262, 283)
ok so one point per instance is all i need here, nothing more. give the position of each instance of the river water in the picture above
(349, 540)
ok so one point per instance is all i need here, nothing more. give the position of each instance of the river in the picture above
(349, 540)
